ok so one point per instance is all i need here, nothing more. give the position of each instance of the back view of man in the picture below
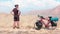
(15, 12)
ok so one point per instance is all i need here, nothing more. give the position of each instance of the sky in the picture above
(27, 5)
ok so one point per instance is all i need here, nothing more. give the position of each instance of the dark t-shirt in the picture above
(15, 11)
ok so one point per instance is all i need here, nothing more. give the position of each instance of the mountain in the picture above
(41, 12)
(54, 11)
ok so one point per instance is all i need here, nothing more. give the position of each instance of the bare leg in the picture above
(14, 24)
(17, 24)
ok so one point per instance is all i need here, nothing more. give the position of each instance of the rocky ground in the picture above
(26, 26)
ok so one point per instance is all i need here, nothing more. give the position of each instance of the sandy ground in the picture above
(26, 25)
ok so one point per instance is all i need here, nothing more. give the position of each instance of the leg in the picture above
(17, 24)
(16, 18)
(17, 21)
(14, 24)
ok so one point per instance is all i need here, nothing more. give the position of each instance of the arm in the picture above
(19, 13)
(12, 12)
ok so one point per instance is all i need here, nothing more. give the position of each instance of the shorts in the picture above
(16, 17)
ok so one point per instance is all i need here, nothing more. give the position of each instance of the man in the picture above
(15, 12)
